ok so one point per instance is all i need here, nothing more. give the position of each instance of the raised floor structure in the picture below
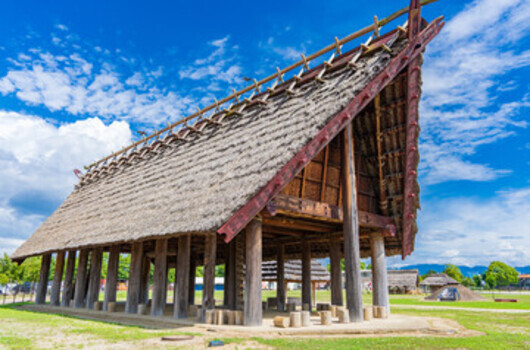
(320, 165)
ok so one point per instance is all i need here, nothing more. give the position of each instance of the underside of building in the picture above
(320, 165)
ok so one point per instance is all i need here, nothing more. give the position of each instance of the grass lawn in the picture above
(30, 330)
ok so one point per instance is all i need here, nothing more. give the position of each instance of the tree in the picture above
(499, 275)
(123, 267)
(3, 279)
(468, 282)
(478, 280)
(454, 272)
(31, 269)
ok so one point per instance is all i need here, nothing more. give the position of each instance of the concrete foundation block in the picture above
(282, 322)
(230, 317)
(111, 306)
(290, 307)
(295, 318)
(209, 317)
(306, 307)
(238, 317)
(380, 312)
(98, 305)
(367, 313)
(142, 309)
(343, 315)
(325, 318)
(219, 317)
(306, 319)
(193, 311)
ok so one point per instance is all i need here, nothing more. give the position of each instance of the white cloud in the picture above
(37, 159)
(463, 71)
(70, 83)
(219, 66)
(468, 231)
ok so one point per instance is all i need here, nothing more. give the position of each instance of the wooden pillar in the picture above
(40, 296)
(306, 273)
(253, 307)
(280, 277)
(159, 278)
(95, 278)
(55, 294)
(144, 280)
(352, 255)
(231, 276)
(191, 283)
(379, 274)
(166, 281)
(336, 273)
(68, 288)
(182, 276)
(314, 293)
(135, 272)
(208, 286)
(112, 276)
(240, 253)
(228, 283)
(80, 282)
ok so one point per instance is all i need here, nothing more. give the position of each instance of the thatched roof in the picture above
(464, 293)
(402, 279)
(438, 280)
(293, 271)
(197, 178)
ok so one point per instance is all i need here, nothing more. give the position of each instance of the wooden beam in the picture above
(111, 282)
(382, 186)
(81, 279)
(297, 224)
(352, 255)
(336, 272)
(306, 272)
(253, 308)
(159, 277)
(95, 277)
(182, 277)
(42, 287)
(55, 294)
(324, 174)
(68, 288)
(305, 208)
(230, 276)
(280, 278)
(379, 274)
(210, 247)
(135, 271)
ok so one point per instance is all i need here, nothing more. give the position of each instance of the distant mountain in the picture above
(466, 270)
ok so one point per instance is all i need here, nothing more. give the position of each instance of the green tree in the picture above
(220, 270)
(123, 267)
(478, 280)
(499, 275)
(468, 282)
(3, 279)
(454, 272)
(31, 269)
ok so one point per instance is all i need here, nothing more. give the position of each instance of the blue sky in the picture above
(78, 81)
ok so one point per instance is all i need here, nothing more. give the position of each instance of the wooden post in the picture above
(80, 281)
(112, 276)
(336, 273)
(183, 277)
(144, 281)
(240, 253)
(280, 277)
(253, 307)
(379, 274)
(135, 271)
(352, 255)
(191, 283)
(68, 289)
(159, 278)
(95, 278)
(208, 286)
(40, 296)
(228, 280)
(55, 294)
(306, 273)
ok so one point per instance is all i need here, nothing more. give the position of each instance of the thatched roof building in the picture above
(434, 282)
(293, 271)
(323, 164)
(402, 281)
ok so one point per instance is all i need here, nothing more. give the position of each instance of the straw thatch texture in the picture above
(402, 280)
(198, 184)
(293, 271)
(436, 281)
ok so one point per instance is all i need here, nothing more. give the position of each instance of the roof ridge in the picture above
(199, 116)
